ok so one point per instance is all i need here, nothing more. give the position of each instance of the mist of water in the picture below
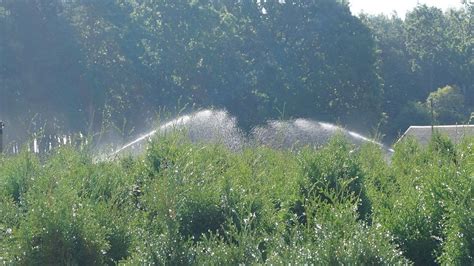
(214, 126)
(217, 126)
(303, 132)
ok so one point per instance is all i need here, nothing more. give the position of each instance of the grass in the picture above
(184, 203)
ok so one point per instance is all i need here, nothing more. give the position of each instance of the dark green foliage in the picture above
(447, 104)
(412, 113)
(115, 63)
(417, 56)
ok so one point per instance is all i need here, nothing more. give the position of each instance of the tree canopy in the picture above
(79, 64)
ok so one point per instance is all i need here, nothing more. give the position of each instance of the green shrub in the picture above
(245, 247)
(427, 181)
(458, 241)
(17, 173)
(60, 229)
(334, 235)
(183, 203)
(331, 166)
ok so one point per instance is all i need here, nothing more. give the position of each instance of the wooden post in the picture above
(432, 116)
(1, 136)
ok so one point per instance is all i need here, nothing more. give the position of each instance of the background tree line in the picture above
(79, 65)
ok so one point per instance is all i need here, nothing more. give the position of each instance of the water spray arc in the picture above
(304, 132)
(203, 126)
(217, 126)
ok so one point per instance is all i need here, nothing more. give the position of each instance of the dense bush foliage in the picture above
(184, 203)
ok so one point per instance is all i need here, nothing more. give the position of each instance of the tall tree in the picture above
(427, 44)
